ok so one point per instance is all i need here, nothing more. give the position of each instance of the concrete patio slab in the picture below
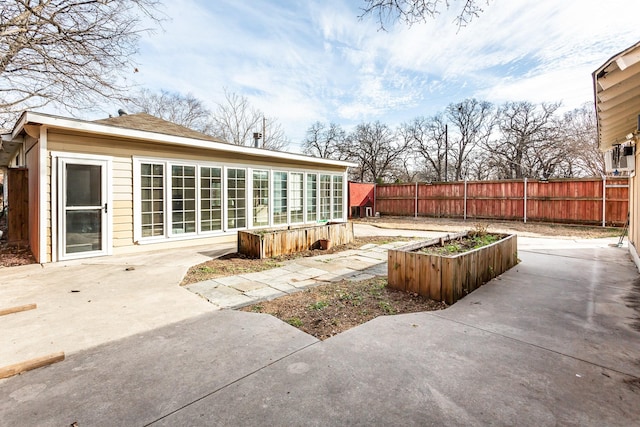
(115, 297)
(133, 380)
(554, 341)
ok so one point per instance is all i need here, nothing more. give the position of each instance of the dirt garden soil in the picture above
(327, 310)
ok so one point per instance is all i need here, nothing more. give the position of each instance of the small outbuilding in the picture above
(136, 182)
(361, 199)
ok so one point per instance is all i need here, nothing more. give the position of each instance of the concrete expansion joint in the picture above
(433, 313)
(237, 380)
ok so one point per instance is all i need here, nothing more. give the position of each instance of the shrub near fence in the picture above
(571, 201)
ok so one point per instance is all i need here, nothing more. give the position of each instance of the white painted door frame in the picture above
(104, 205)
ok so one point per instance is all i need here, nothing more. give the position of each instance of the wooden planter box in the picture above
(271, 243)
(449, 278)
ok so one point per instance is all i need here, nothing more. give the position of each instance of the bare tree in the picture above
(472, 122)
(324, 140)
(405, 169)
(416, 11)
(375, 148)
(530, 142)
(185, 110)
(581, 137)
(70, 52)
(426, 138)
(235, 121)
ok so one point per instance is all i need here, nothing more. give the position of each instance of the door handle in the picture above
(105, 208)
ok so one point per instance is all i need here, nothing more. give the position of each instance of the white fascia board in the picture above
(102, 129)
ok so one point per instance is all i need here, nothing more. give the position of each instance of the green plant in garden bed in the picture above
(475, 238)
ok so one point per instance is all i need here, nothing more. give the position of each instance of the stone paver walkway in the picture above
(295, 275)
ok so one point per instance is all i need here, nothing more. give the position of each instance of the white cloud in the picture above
(315, 60)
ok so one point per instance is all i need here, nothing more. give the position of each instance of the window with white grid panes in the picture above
(337, 197)
(312, 197)
(325, 197)
(236, 198)
(296, 197)
(260, 198)
(183, 199)
(279, 197)
(210, 199)
(152, 199)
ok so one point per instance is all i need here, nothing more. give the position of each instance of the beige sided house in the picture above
(137, 182)
(617, 101)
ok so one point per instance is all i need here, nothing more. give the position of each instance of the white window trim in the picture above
(275, 171)
(290, 205)
(225, 199)
(333, 197)
(169, 199)
(269, 198)
(137, 202)
(199, 231)
(224, 167)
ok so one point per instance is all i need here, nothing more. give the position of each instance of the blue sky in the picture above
(313, 60)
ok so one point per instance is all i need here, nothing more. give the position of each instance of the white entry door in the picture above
(83, 208)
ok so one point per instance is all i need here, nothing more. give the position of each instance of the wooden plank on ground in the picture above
(17, 309)
(38, 362)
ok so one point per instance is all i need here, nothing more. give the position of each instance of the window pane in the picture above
(183, 200)
(152, 199)
(236, 209)
(279, 197)
(83, 230)
(84, 185)
(210, 199)
(337, 197)
(296, 197)
(325, 197)
(260, 198)
(312, 197)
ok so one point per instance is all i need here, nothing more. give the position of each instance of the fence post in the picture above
(375, 198)
(525, 200)
(416, 199)
(604, 200)
(465, 198)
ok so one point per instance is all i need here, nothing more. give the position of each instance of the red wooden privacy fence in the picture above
(602, 201)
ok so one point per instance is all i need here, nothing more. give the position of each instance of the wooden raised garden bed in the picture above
(271, 243)
(449, 277)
